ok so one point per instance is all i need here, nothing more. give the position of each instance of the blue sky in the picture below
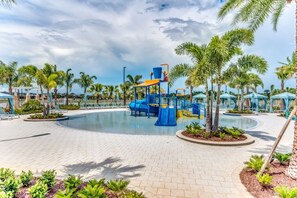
(100, 37)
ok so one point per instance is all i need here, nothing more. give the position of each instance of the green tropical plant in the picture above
(117, 185)
(282, 158)
(95, 182)
(222, 135)
(39, 190)
(31, 106)
(8, 74)
(72, 182)
(6, 173)
(5, 195)
(265, 179)
(255, 13)
(26, 75)
(132, 194)
(26, 177)
(67, 193)
(96, 89)
(134, 80)
(69, 81)
(255, 162)
(282, 74)
(85, 81)
(285, 192)
(11, 185)
(89, 191)
(48, 178)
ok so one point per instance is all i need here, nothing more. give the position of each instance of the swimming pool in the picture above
(121, 122)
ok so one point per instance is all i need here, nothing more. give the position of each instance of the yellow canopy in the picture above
(148, 83)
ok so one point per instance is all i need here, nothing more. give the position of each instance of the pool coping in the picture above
(249, 140)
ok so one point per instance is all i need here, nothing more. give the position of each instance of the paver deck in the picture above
(160, 166)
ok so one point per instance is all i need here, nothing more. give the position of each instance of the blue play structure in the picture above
(152, 104)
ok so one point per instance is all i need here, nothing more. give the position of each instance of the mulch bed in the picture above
(227, 138)
(277, 171)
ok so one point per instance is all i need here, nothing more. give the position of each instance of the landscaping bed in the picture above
(239, 112)
(26, 185)
(227, 138)
(49, 117)
(274, 182)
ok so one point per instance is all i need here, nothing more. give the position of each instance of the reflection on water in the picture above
(122, 122)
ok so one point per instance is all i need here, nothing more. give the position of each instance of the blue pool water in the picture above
(122, 122)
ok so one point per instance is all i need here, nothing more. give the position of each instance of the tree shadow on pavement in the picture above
(110, 168)
(267, 148)
(27, 137)
(261, 135)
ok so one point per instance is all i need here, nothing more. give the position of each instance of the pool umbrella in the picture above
(16, 100)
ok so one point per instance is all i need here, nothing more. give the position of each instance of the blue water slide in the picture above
(142, 106)
(166, 117)
(196, 109)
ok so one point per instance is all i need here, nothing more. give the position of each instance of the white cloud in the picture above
(100, 37)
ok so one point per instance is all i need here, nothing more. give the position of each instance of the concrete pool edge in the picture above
(249, 140)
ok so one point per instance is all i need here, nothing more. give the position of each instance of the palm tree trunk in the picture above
(282, 86)
(67, 93)
(292, 169)
(217, 113)
(10, 88)
(191, 93)
(241, 100)
(211, 99)
(208, 116)
(56, 95)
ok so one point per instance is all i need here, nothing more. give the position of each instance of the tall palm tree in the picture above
(289, 65)
(198, 73)
(282, 74)
(182, 70)
(69, 81)
(96, 89)
(85, 81)
(27, 75)
(134, 80)
(255, 13)
(223, 49)
(8, 74)
(239, 73)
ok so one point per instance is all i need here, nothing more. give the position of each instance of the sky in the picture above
(101, 37)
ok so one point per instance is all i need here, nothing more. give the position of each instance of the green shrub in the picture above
(32, 106)
(264, 180)
(39, 190)
(72, 182)
(132, 194)
(49, 116)
(285, 192)
(234, 132)
(48, 178)
(5, 195)
(94, 182)
(222, 135)
(117, 185)
(65, 193)
(26, 177)
(92, 191)
(282, 158)
(206, 135)
(194, 128)
(240, 111)
(11, 185)
(6, 173)
(69, 107)
(255, 163)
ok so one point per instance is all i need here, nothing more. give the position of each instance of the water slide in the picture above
(142, 106)
(166, 117)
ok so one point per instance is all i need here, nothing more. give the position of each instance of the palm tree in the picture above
(27, 75)
(197, 74)
(182, 70)
(96, 89)
(134, 80)
(8, 74)
(289, 65)
(282, 74)
(239, 74)
(222, 50)
(85, 81)
(69, 80)
(255, 13)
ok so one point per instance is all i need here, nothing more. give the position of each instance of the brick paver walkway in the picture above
(160, 166)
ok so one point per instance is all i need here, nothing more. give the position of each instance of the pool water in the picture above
(122, 122)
